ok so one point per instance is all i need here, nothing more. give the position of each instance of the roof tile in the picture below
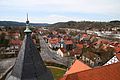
(77, 67)
(109, 72)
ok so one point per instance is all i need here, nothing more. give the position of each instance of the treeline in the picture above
(87, 25)
(13, 23)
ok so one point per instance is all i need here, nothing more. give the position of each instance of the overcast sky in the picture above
(52, 11)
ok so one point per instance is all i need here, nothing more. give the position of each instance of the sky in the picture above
(52, 11)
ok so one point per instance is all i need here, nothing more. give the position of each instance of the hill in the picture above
(14, 23)
(87, 24)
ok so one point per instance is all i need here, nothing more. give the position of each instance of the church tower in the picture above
(29, 64)
(62, 43)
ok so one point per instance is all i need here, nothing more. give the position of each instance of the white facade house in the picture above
(62, 52)
(59, 52)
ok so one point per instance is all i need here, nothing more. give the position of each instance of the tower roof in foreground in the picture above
(29, 64)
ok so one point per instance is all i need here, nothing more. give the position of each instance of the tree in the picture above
(2, 36)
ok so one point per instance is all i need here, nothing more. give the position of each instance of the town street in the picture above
(48, 55)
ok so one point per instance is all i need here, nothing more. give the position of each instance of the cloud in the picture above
(61, 8)
(92, 6)
(53, 18)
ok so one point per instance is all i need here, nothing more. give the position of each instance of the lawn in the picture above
(57, 72)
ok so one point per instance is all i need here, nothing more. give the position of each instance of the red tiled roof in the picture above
(103, 41)
(77, 67)
(79, 46)
(15, 42)
(118, 56)
(90, 55)
(106, 47)
(117, 49)
(109, 72)
(68, 42)
(54, 32)
(75, 52)
(117, 45)
(63, 50)
(85, 35)
(54, 40)
(15, 34)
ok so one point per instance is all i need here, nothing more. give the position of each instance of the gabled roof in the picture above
(79, 46)
(54, 32)
(75, 51)
(77, 67)
(90, 55)
(29, 64)
(63, 50)
(109, 72)
(85, 35)
(68, 42)
(117, 49)
(102, 41)
(54, 40)
(15, 34)
(15, 42)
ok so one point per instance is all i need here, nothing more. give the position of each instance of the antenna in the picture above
(27, 16)
(27, 22)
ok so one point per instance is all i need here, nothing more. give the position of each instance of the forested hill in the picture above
(86, 24)
(70, 24)
(13, 23)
